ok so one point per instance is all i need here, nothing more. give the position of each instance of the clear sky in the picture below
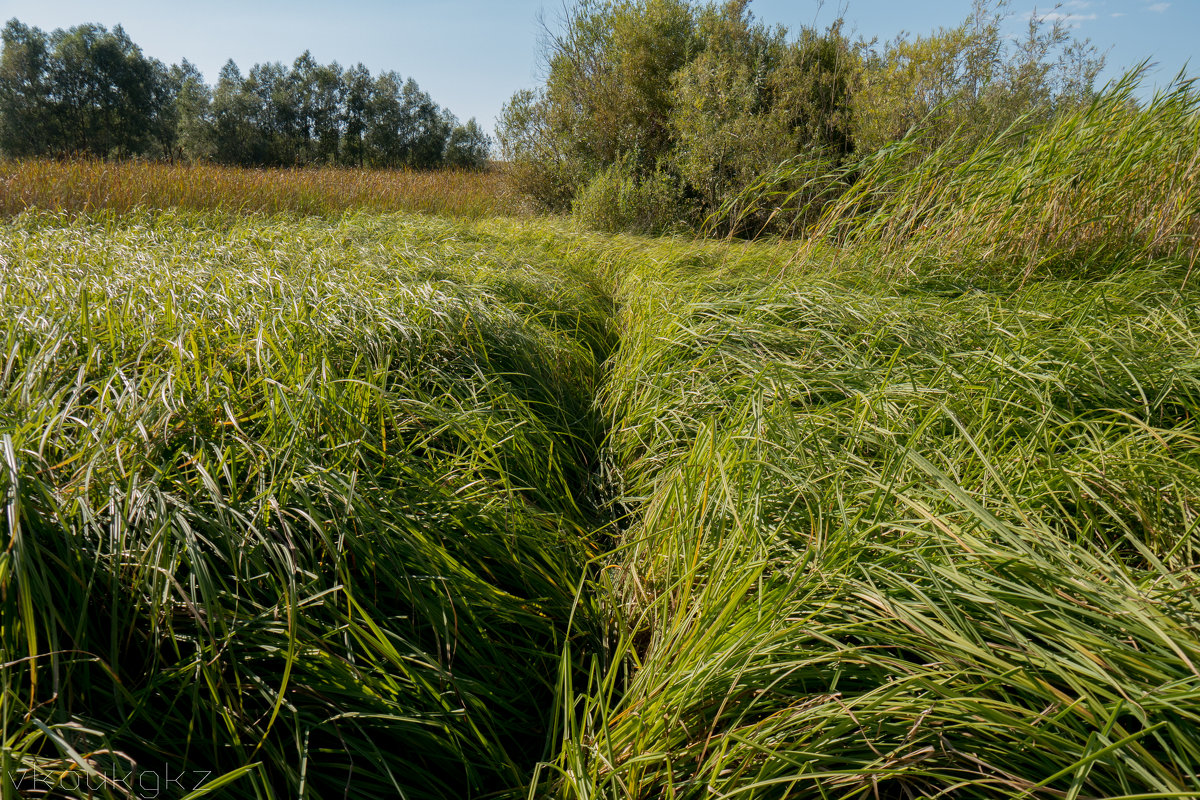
(471, 55)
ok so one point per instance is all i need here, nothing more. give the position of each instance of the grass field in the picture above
(382, 504)
(120, 187)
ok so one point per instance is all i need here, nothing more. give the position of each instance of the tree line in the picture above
(90, 91)
(660, 113)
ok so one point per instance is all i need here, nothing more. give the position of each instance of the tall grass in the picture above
(1107, 185)
(303, 504)
(387, 506)
(85, 186)
(916, 542)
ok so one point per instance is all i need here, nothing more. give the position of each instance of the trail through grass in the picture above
(387, 505)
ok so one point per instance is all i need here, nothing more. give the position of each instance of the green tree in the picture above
(237, 139)
(317, 92)
(356, 107)
(468, 146)
(194, 113)
(106, 96)
(26, 125)
(971, 80)
(726, 128)
(661, 96)
(85, 90)
(386, 122)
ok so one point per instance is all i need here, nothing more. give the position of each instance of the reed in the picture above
(897, 539)
(83, 186)
(1105, 186)
(295, 502)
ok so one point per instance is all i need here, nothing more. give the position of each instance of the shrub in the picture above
(618, 200)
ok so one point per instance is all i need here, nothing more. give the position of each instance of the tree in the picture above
(971, 81)
(699, 101)
(236, 137)
(91, 91)
(84, 90)
(356, 106)
(608, 91)
(726, 128)
(193, 113)
(106, 96)
(25, 104)
(426, 127)
(468, 146)
(386, 122)
(317, 94)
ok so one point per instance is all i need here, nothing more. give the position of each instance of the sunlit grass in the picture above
(310, 498)
(1097, 188)
(898, 541)
(84, 186)
(373, 505)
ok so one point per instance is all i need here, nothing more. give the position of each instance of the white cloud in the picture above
(1158, 8)
(1118, 14)
(1074, 20)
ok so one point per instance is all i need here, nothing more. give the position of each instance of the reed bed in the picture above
(83, 186)
(1108, 185)
(384, 505)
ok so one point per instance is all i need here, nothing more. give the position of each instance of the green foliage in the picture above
(751, 101)
(538, 167)
(742, 114)
(310, 499)
(970, 81)
(386, 505)
(193, 109)
(905, 538)
(468, 146)
(608, 94)
(705, 94)
(618, 199)
(1094, 188)
(88, 91)
(85, 91)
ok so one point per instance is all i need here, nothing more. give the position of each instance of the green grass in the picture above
(899, 541)
(389, 505)
(1093, 189)
(313, 497)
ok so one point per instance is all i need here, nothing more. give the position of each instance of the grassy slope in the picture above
(326, 489)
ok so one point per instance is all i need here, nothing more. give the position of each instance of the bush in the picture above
(618, 200)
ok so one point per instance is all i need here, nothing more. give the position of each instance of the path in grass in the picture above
(392, 504)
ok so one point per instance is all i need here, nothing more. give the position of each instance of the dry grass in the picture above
(85, 185)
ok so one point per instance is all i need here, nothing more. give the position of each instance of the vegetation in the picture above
(899, 539)
(289, 499)
(88, 185)
(309, 494)
(1105, 185)
(90, 91)
(706, 101)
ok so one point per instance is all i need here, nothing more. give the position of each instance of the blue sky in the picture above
(470, 55)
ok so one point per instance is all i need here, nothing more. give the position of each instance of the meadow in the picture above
(327, 501)
(85, 186)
